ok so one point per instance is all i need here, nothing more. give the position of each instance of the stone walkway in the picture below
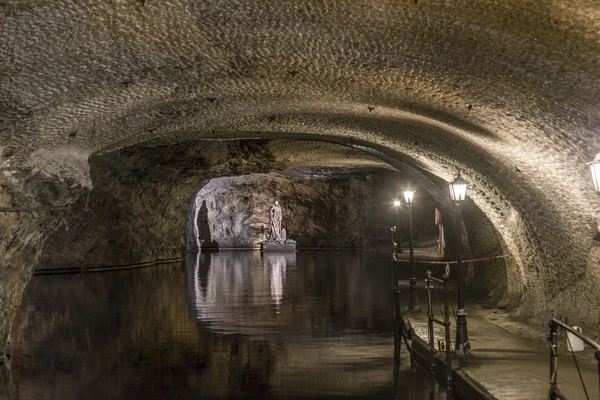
(510, 366)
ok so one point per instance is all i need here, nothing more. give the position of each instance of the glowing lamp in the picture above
(396, 203)
(458, 188)
(595, 166)
(408, 196)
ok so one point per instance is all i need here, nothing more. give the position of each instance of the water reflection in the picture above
(217, 280)
(305, 325)
(277, 264)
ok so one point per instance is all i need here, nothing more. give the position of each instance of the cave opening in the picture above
(324, 207)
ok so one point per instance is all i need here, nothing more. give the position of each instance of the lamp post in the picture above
(413, 299)
(458, 193)
(397, 232)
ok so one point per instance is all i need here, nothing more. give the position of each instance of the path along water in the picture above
(507, 365)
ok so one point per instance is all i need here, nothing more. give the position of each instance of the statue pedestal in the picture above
(287, 246)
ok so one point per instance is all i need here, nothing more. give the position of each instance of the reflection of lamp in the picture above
(595, 167)
(413, 299)
(458, 192)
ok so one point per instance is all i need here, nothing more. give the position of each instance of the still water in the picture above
(226, 325)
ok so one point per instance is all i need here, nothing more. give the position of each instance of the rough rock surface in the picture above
(316, 213)
(138, 212)
(505, 90)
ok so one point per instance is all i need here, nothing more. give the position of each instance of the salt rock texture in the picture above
(507, 91)
(137, 212)
(327, 213)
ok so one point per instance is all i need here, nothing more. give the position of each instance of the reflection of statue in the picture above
(277, 265)
(275, 223)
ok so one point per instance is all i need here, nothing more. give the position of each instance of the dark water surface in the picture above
(228, 325)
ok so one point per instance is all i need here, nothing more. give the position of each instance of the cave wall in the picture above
(328, 212)
(488, 279)
(138, 208)
(32, 202)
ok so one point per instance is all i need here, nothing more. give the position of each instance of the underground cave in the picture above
(143, 144)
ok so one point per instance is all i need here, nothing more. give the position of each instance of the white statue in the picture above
(275, 223)
(277, 239)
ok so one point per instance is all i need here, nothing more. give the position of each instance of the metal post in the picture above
(462, 346)
(429, 285)
(394, 240)
(553, 339)
(598, 359)
(397, 315)
(447, 326)
(397, 327)
(398, 238)
(413, 299)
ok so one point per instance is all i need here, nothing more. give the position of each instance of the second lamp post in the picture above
(458, 192)
(413, 299)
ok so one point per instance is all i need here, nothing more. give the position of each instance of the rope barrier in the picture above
(106, 268)
(31, 209)
(483, 259)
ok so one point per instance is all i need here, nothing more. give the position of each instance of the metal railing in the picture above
(400, 331)
(429, 284)
(555, 325)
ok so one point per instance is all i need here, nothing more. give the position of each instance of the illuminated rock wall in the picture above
(138, 211)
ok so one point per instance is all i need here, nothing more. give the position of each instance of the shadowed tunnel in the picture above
(119, 111)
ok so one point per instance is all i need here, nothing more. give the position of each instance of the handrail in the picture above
(445, 323)
(553, 342)
(398, 259)
(400, 333)
(580, 335)
(434, 278)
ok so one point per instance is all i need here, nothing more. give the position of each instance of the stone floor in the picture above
(510, 366)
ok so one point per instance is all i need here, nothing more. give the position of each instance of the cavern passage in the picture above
(112, 114)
